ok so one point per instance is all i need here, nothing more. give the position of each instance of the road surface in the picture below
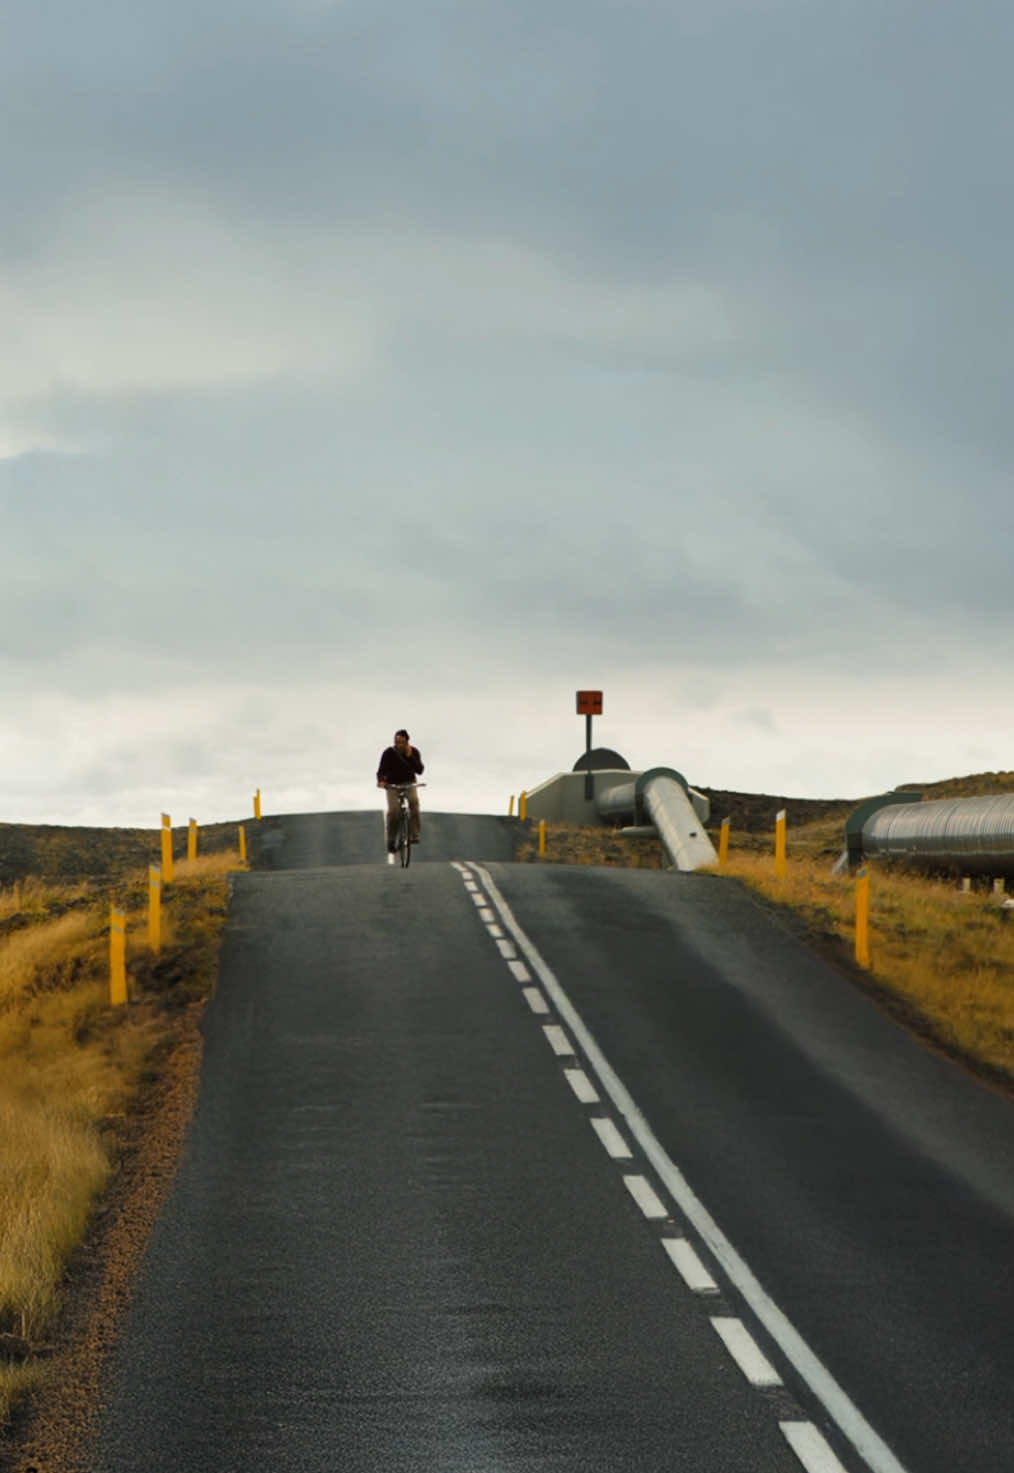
(501, 1167)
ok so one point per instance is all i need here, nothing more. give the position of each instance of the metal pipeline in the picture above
(973, 835)
(660, 797)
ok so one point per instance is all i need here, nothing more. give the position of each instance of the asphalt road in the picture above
(308, 840)
(420, 1223)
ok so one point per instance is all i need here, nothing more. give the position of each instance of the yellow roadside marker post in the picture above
(780, 845)
(542, 838)
(523, 806)
(192, 839)
(242, 844)
(510, 807)
(117, 957)
(155, 907)
(863, 918)
(257, 803)
(167, 849)
(723, 843)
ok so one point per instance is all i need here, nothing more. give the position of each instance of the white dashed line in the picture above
(645, 1196)
(832, 1396)
(745, 1351)
(611, 1139)
(803, 1437)
(582, 1086)
(558, 1040)
(689, 1266)
(810, 1447)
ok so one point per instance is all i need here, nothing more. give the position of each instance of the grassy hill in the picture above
(93, 856)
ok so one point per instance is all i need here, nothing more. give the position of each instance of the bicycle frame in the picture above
(403, 843)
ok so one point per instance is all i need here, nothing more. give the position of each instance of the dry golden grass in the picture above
(52, 1167)
(941, 959)
(46, 956)
(968, 787)
(16, 1382)
(71, 1066)
(31, 899)
(571, 843)
(207, 866)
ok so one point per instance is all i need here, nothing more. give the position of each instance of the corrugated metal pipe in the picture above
(660, 797)
(971, 835)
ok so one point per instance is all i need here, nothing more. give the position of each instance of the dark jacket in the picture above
(394, 768)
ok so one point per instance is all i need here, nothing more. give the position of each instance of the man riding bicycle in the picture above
(400, 765)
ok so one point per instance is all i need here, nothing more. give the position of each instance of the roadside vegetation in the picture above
(73, 1069)
(942, 959)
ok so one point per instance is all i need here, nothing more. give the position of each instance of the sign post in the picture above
(167, 849)
(117, 957)
(863, 918)
(589, 704)
(155, 907)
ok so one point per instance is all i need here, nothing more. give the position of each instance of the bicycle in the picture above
(403, 841)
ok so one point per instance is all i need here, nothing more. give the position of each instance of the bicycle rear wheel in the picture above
(404, 846)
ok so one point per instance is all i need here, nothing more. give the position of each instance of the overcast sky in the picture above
(414, 364)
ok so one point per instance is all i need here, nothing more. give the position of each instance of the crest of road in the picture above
(502, 1166)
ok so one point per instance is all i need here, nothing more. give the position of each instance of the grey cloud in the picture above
(279, 529)
(814, 173)
(647, 122)
(653, 332)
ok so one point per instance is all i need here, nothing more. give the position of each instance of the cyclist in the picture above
(400, 764)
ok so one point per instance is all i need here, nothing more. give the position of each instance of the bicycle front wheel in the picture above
(404, 845)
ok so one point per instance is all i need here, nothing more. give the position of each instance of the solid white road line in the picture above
(645, 1196)
(810, 1447)
(745, 1351)
(558, 1040)
(689, 1266)
(832, 1397)
(611, 1139)
(536, 1001)
(582, 1086)
(521, 974)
